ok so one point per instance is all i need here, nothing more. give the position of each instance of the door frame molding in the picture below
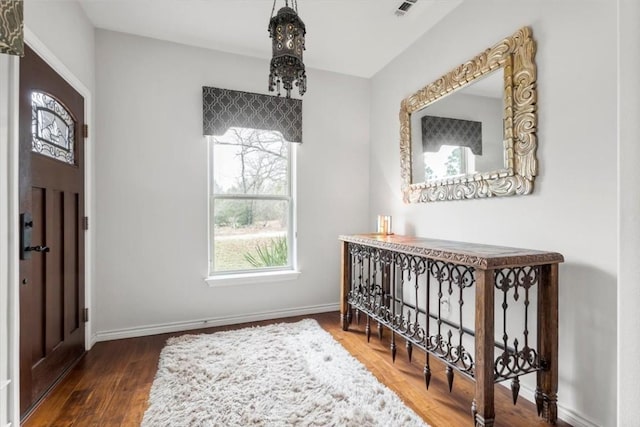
(10, 224)
(9, 287)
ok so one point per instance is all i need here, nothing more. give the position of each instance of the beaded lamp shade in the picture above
(287, 32)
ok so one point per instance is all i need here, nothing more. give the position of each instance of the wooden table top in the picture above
(471, 254)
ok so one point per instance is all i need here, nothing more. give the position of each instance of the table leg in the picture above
(345, 286)
(483, 404)
(547, 379)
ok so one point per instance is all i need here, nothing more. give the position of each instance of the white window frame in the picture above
(261, 275)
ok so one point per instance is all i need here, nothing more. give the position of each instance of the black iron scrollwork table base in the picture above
(416, 288)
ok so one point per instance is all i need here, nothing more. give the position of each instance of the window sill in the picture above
(251, 278)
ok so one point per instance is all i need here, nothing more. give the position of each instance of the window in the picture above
(52, 127)
(450, 161)
(251, 178)
(251, 202)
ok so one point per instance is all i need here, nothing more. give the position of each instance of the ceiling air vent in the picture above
(404, 7)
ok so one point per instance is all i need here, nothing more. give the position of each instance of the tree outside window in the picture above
(449, 161)
(252, 212)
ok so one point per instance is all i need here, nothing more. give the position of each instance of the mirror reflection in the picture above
(461, 133)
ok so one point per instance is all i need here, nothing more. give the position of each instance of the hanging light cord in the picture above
(294, 5)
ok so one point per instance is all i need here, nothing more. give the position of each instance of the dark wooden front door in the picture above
(52, 235)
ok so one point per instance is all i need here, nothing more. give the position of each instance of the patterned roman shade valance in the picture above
(224, 108)
(439, 131)
(11, 27)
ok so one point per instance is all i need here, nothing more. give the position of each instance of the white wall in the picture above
(67, 32)
(573, 208)
(629, 214)
(151, 179)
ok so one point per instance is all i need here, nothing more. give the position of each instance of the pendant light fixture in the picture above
(287, 32)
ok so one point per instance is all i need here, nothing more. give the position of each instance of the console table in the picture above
(418, 287)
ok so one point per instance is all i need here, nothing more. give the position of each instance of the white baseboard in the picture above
(564, 413)
(93, 339)
(164, 328)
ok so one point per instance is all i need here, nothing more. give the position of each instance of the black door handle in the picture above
(37, 249)
(26, 225)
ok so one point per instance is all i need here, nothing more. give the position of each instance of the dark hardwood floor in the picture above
(110, 385)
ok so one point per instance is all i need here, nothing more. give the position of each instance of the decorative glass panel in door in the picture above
(53, 128)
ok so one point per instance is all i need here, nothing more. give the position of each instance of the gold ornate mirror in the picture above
(472, 133)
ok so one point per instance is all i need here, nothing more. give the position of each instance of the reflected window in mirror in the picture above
(450, 161)
(461, 133)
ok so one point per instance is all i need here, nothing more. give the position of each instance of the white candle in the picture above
(387, 224)
(384, 224)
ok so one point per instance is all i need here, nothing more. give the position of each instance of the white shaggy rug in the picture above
(288, 374)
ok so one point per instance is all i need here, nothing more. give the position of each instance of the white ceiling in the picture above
(357, 37)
